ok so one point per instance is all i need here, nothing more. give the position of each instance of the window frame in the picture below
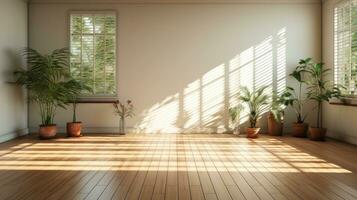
(93, 97)
(346, 97)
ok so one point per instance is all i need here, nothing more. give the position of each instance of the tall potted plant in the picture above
(320, 90)
(276, 115)
(296, 99)
(234, 114)
(255, 100)
(75, 88)
(124, 111)
(46, 80)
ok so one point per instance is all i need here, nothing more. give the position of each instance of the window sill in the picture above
(345, 102)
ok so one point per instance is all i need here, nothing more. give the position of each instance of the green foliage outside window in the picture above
(346, 46)
(93, 52)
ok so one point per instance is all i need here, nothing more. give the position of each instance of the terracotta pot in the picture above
(47, 131)
(317, 134)
(74, 129)
(299, 129)
(275, 128)
(252, 132)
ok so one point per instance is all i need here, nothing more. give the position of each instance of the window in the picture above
(345, 61)
(93, 51)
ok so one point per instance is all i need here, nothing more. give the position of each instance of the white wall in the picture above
(340, 120)
(13, 38)
(182, 64)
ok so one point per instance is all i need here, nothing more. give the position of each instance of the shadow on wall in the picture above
(202, 106)
(13, 97)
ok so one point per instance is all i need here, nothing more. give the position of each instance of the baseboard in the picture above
(84, 130)
(9, 136)
(13, 135)
(343, 137)
(138, 130)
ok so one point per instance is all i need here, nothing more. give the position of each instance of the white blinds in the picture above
(93, 51)
(345, 51)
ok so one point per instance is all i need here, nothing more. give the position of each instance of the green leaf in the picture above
(255, 101)
(47, 78)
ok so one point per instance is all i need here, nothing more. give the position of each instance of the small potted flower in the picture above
(124, 111)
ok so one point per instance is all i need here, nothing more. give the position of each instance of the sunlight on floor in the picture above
(164, 153)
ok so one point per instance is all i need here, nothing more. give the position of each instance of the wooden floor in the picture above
(169, 166)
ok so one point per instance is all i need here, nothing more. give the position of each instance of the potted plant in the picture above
(276, 115)
(234, 113)
(296, 100)
(255, 100)
(320, 90)
(45, 78)
(123, 111)
(75, 88)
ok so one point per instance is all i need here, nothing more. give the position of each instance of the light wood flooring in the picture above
(177, 166)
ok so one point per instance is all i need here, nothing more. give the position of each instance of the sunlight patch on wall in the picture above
(247, 68)
(202, 106)
(263, 62)
(162, 117)
(213, 97)
(281, 60)
(191, 115)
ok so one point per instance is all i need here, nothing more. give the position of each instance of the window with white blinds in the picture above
(345, 51)
(93, 51)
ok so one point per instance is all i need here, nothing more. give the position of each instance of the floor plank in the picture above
(177, 166)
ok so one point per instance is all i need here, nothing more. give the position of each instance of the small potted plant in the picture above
(74, 89)
(296, 100)
(276, 115)
(234, 113)
(255, 100)
(46, 79)
(124, 111)
(320, 90)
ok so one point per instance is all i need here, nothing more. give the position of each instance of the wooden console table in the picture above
(98, 101)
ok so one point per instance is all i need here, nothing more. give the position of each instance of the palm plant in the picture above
(256, 100)
(320, 90)
(47, 80)
(296, 100)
